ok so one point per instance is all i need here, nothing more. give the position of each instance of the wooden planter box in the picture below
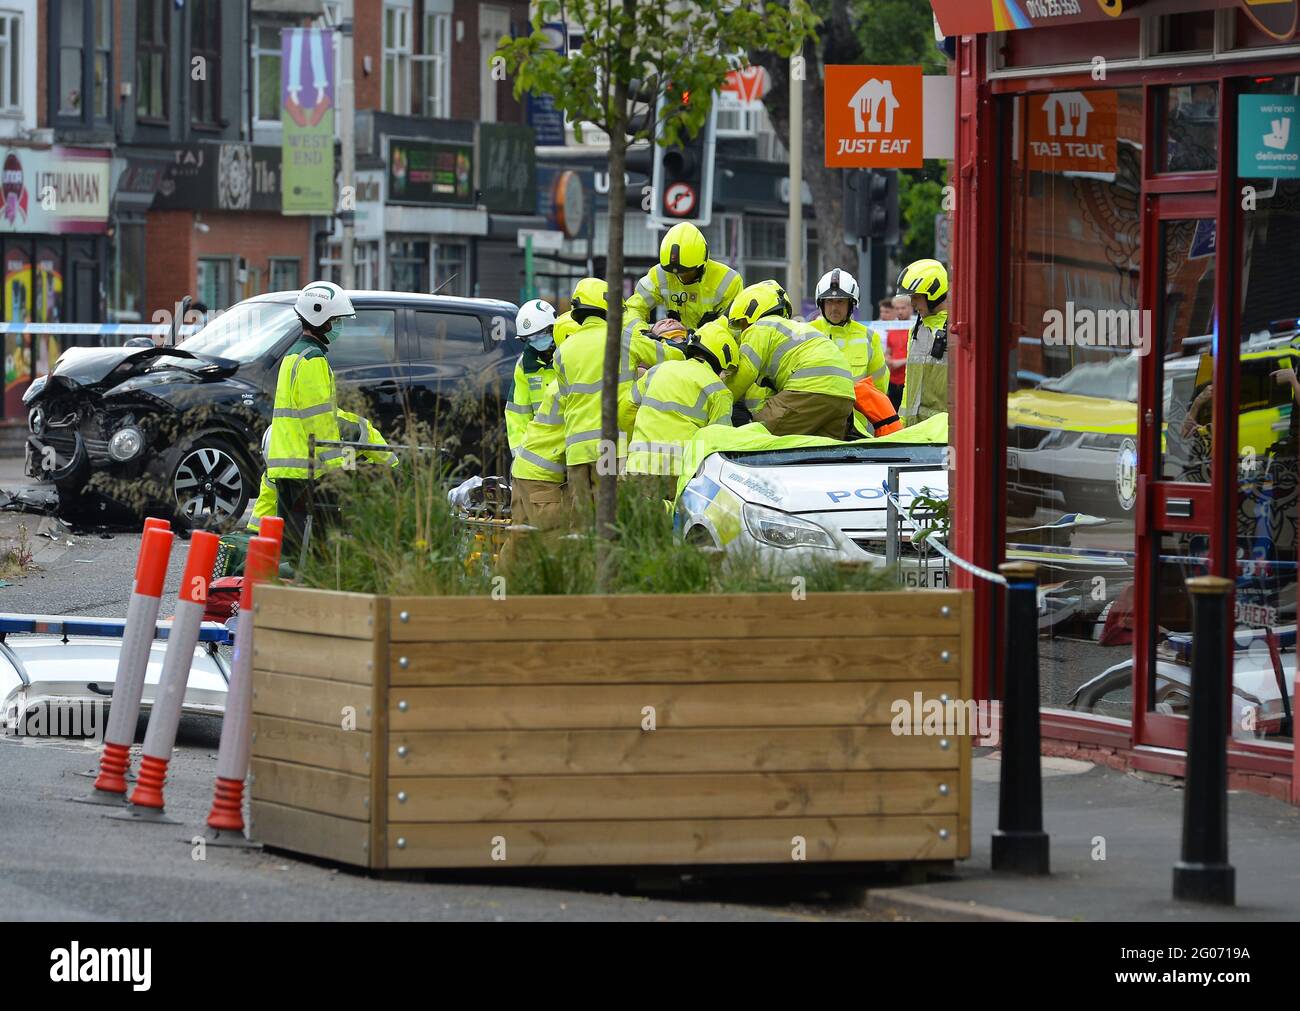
(506, 733)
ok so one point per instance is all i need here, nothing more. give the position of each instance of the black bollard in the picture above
(1204, 874)
(1020, 845)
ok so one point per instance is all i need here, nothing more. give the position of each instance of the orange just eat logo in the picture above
(873, 117)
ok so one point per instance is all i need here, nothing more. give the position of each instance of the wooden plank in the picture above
(701, 795)
(311, 744)
(564, 752)
(379, 754)
(964, 786)
(310, 832)
(311, 700)
(734, 841)
(320, 790)
(624, 707)
(326, 612)
(676, 616)
(658, 661)
(311, 654)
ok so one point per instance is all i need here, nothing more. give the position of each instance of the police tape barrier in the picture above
(132, 662)
(165, 717)
(227, 815)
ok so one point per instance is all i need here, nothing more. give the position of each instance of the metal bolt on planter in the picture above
(402, 706)
(1203, 873)
(943, 833)
(944, 744)
(943, 789)
(401, 751)
(945, 611)
(403, 662)
(401, 796)
(1020, 844)
(405, 616)
(945, 656)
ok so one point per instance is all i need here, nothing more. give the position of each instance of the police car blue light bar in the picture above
(43, 624)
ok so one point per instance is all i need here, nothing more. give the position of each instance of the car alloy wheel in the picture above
(209, 487)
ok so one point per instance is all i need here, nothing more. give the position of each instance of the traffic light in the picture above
(682, 181)
(871, 206)
(882, 206)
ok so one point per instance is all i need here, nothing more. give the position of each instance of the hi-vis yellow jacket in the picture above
(925, 393)
(693, 304)
(793, 356)
(862, 346)
(305, 406)
(669, 404)
(531, 379)
(579, 370)
(540, 456)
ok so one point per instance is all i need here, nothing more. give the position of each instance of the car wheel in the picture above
(211, 484)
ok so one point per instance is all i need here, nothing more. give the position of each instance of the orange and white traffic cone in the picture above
(226, 819)
(165, 717)
(137, 641)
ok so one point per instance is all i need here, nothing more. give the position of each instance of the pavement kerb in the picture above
(911, 903)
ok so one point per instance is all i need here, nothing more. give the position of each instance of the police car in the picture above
(792, 504)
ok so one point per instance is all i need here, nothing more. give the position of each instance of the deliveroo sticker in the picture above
(1267, 143)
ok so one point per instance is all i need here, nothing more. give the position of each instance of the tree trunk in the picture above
(606, 469)
(839, 46)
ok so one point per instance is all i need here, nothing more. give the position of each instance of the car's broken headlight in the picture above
(781, 530)
(126, 444)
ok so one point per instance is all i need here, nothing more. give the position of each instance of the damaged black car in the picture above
(126, 432)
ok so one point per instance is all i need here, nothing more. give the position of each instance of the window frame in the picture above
(211, 35)
(274, 262)
(87, 116)
(399, 101)
(150, 47)
(434, 65)
(11, 66)
(257, 52)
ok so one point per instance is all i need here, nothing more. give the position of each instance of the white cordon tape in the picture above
(932, 540)
(165, 718)
(236, 724)
(992, 577)
(132, 663)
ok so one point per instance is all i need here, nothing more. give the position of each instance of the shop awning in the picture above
(973, 17)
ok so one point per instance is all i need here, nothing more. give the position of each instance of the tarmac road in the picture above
(67, 861)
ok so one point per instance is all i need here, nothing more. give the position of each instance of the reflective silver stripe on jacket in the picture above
(822, 370)
(672, 405)
(723, 285)
(514, 408)
(302, 413)
(554, 418)
(541, 461)
(294, 462)
(748, 352)
(578, 437)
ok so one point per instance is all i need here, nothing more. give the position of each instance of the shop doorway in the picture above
(1177, 503)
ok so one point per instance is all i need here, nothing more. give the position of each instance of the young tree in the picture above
(632, 54)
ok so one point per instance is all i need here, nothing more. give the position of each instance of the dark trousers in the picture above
(896, 394)
(294, 501)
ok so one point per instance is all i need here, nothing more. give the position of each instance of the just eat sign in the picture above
(873, 117)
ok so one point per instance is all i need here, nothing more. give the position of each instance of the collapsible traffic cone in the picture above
(137, 640)
(165, 718)
(227, 815)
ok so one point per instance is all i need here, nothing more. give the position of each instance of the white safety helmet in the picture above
(534, 323)
(838, 283)
(322, 301)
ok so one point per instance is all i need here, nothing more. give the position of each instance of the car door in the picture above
(455, 381)
(368, 371)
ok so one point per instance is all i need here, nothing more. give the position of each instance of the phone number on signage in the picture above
(1052, 8)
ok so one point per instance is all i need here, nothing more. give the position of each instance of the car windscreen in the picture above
(887, 455)
(246, 332)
